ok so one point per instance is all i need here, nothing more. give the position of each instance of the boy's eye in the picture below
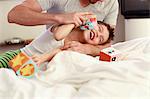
(100, 28)
(101, 39)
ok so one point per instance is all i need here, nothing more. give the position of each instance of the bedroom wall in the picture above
(120, 29)
(8, 30)
(0, 26)
(136, 28)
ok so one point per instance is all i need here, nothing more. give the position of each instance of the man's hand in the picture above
(81, 48)
(76, 18)
(84, 48)
(74, 46)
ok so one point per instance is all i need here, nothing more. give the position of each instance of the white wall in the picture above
(135, 28)
(120, 29)
(128, 29)
(8, 30)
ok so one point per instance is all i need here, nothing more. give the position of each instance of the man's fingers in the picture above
(77, 24)
(65, 47)
(75, 18)
(78, 21)
(82, 18)
(74, 49)
(70, 45)
(71, 49)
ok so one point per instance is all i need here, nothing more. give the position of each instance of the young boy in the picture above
(104, 34)
(66, 36)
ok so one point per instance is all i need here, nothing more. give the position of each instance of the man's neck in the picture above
(84, 3)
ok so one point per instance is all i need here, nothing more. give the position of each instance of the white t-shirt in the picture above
(42, 44)
(106, 11)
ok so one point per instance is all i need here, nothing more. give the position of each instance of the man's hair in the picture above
(110, 30)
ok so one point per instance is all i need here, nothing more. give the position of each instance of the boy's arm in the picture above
(61, 31)
(45, 57)
(48, 56)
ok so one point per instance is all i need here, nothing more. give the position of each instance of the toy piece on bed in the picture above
(23, 65)
(90, 22)
(110, 54)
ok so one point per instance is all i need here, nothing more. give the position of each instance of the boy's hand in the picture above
(39, 59)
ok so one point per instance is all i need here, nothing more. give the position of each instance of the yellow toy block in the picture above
(23, 65)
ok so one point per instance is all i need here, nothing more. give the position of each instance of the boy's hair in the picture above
(110, 30)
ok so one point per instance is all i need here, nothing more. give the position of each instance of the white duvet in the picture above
(72, 75)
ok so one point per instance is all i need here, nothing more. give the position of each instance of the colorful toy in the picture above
(110, 54)
(90, 22)
(23, 65)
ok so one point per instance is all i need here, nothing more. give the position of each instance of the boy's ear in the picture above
(113, 30)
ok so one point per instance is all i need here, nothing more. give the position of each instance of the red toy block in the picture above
(110, 54)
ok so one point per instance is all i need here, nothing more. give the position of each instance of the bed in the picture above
(71, 75)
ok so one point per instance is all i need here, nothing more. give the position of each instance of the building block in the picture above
(23, 65)
(90, 22)
(110, 54)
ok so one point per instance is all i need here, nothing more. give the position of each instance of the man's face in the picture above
(94, 1)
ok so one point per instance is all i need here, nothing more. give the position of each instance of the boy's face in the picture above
(97, 37)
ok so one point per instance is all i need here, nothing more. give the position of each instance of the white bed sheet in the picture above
(72, 75)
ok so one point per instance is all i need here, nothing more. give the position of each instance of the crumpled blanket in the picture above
(71, 75)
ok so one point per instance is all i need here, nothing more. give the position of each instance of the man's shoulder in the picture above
(48, 4)
(111, 1)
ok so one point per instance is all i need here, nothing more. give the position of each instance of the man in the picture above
(63, 12)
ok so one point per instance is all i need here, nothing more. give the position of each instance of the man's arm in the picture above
(85, 48)
(94, 50)
(30, 13)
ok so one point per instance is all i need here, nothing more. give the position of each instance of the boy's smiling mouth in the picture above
(92, 35)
